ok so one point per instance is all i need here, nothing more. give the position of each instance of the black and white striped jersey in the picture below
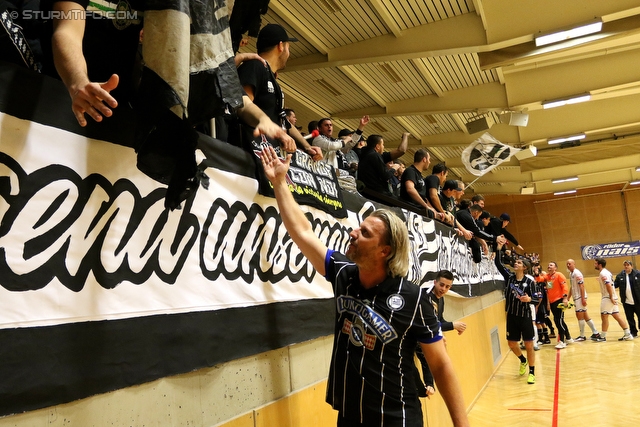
(514, 288)
(376, 331)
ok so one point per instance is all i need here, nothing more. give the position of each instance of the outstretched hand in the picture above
(275, 168)
(273, 131)
(315, 153)
(95, 100)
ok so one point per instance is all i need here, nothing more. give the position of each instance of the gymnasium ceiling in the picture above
(431, 66)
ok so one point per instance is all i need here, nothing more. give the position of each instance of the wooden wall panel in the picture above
(560, 226)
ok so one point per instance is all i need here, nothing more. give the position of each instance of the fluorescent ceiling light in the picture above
(638, 169)
(558, 181)
(566, 139)
(558, 36)
(566, 101)
(634, 183)
(560, 193)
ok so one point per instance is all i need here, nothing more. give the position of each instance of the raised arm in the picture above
(500, 241)
(350, 143)
(402, 148)
(292, 216)
(86, 97)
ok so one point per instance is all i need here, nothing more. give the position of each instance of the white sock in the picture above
(592, 326)
(581, 325)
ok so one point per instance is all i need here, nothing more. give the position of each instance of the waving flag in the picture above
(485, 153)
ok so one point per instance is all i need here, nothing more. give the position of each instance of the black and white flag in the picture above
(485, 153)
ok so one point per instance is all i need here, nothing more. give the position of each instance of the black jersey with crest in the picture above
(376, 331)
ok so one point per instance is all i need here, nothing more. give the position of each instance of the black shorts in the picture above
(541, 314)
(519, 327)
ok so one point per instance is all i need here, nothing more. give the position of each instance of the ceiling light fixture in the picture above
(634, 183)
(566, 101)
(638, 169)
(558, 181)
(561, 193)
(566, 139)
(571, 33)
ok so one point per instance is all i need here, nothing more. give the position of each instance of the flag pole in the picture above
(472, 182)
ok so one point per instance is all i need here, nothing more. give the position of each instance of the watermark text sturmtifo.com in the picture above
(120, 15)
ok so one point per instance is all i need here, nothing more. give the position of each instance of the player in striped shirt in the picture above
(380, 316)
(520, 292)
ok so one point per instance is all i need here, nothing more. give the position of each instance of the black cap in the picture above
(451, 184)
(505, 217)
(270, 35)
(344, 132)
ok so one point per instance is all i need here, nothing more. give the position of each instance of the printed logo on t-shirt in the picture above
(356, 333)
(549, 284)
(270, 87)
(395, 302)
(370, 318)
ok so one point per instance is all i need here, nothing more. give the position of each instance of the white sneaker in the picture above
(569, 341)
(627, 337)
(561, 345)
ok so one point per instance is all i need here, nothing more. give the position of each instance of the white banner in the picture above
(84, 236)
(485, 153)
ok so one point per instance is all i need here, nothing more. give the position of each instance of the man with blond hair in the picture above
(380, 317)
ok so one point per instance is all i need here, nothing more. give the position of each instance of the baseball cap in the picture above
(344, 132)
(505, 217)
(451, 184)
(271, 35)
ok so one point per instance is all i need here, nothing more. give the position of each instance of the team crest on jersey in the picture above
(370, 319)
(357, 335)
(395, 302)
(270, 87)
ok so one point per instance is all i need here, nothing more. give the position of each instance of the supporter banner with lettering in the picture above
(102, 288)
(610, 250)
(311, 183)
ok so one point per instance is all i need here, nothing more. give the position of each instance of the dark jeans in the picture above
(629, 311)
(558, 318)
